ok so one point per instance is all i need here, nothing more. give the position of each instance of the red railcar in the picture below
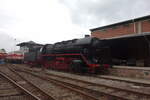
(15, 57)
(3, 55)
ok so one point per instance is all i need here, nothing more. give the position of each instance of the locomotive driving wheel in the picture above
(77, 66)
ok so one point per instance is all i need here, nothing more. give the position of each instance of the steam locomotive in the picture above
(91, 54)
(88, 54)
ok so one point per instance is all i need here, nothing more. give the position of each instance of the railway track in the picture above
(10, 90)
(58, 90)
(115, 92)
(27, 87)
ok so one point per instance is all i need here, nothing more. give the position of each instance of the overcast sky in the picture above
(49, 21)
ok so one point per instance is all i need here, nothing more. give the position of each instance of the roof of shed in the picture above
(123, 22)
(28, 43)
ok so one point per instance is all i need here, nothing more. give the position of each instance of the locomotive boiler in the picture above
(80, 55)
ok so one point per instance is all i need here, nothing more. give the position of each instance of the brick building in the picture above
(133, 26)
(130, 41)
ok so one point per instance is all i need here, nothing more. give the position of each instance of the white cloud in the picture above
(49, 21)
(7, 42)
(43, 21)
(95, 13)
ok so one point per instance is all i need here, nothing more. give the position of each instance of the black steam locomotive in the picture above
(91, 54)
(88, 54)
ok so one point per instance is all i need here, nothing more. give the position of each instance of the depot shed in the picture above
(131, 50)
(128, 27)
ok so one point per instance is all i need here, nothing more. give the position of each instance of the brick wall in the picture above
(124, 29)
(146, 26)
